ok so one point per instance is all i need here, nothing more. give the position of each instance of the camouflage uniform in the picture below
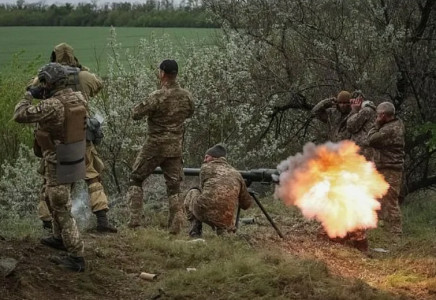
(358, 124)
(89, 84)
(49, 114)
(336, 121)
(388, 141)
(166, 110)
(222, 190)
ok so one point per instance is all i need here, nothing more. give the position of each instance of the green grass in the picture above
(253, 264)
(89, 43)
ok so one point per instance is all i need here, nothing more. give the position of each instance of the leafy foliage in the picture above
(150, 14)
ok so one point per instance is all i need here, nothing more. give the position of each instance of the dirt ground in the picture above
(36, 278)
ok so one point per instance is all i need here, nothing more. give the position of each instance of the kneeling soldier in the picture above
(222, 190)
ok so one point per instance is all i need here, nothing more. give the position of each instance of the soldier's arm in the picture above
(377, 137)
(25, 112)
(191, 106)
(320, 110)
(90, 83)
(205, 173)
(356, 121)
(245, 199)
(144, 108)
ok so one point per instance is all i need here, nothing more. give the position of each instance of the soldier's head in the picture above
(343, 102)
(358, 94)
(53, 77)
(64, 54)
(385, 112)
(214, 152)
(168, 70)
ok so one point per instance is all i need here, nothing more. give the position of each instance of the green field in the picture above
(89, 43)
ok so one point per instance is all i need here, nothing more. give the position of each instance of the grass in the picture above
(89, 43)
(253, 264)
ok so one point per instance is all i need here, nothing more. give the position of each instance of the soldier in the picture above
(80, 79)
(166, 110)
(387, 137)
(61, 122)
(222, 189)
(334, 112)
(360, 121)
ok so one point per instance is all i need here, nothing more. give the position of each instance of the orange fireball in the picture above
(333, 184)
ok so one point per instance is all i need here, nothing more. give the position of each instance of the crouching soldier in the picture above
(61, 122)
(222, 190)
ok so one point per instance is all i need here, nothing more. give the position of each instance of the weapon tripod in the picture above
(271, 221)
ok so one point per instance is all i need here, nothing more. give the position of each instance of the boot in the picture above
(361, 245)
(47, 225)
(53, 242)
(70, 262)
(196, 229)
(103, 223)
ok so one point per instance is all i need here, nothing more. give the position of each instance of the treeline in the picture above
(152, 13)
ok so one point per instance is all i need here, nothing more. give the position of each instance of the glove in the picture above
(37, 92)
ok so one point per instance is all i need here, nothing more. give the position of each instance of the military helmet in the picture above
(53, 74)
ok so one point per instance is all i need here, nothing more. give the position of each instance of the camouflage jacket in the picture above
(326, 112)
(48, 114)
(166, 110)
(222, 190)
(359, 123)
(388, 141)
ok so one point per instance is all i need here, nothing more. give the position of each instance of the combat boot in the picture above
(103, 223)
(53, 242)
(70, 262)
(47, 225)
(196, 229)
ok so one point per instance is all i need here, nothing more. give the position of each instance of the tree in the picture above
(307, 50)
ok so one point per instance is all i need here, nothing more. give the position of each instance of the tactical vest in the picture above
(73, 78)
(70, 152)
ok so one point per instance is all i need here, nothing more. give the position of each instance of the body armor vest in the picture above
(73, 78)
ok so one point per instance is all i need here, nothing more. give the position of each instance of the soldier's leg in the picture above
(142, 168)
(60, 201)
(196, 227)
(172, 170)
(359, 240)
(390, 208)
(43, 209)
(97, 196)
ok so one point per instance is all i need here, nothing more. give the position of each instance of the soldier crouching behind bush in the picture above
(61, 121)
(222, 190)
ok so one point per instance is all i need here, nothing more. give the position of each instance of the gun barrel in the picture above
(255, 175)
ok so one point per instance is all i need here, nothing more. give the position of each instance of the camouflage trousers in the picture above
(97, 197)
(192, 206)
(390, 211)
(172, 171)
(64, 225)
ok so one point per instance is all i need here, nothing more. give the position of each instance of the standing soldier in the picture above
(360, 121)
(222, 189)
(80, 79)
(387, 137)
(334, 112)
(166, 110)
(61, 122)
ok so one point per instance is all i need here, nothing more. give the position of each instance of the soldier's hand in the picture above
(28, 96)
(356, 103)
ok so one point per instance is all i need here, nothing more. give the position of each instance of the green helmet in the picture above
(55, 75)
